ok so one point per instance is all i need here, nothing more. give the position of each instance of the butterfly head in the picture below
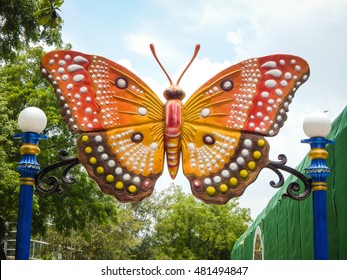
(174, 92)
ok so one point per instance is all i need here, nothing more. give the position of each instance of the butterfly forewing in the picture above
(97, 93)
(252, 95)
(120, 117)
(225, 121)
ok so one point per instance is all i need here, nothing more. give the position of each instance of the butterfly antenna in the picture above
(197, 48)
(161, 66)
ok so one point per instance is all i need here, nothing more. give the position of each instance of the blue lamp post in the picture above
(317, 126)
(32, 122)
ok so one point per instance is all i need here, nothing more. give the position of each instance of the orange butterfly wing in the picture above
(119, 116)
(225, 120)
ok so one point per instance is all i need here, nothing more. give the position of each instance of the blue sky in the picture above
(229, 31)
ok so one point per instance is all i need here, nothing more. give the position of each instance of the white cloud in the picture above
(127, 64)
(238, 39)
(139, 43)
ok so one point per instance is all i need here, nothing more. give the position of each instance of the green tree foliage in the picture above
(47, 13)
(28, 21)
(115, 240)
(168, 225)
(191, 229)
(8, 177)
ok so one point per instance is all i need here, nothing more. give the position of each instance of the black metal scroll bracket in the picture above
(52, 182)
(293, 188)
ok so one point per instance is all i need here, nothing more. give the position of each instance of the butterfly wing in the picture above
(226, 119)
(119, 116)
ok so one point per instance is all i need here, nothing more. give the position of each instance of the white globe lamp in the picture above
(317, 124)
(32, 119)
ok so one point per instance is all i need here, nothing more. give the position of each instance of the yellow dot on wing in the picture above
(223, 188)
(84, 138)
(252, 165)
(100, 170)
(244, 173)
(233, 181)
(257, 155)
(210, 191)
(132, 189)
(261, 142)
(109, 178)
(119, 185)
(88, 150)
(92, 160)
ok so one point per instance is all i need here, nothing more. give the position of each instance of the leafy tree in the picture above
(26, 22)
(168, 225)
(8, 177)
(114, 240)
(191, 229)
(47, 13)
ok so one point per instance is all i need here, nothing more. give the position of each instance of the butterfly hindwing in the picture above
(120, 117)
(125, 162)
(225, 121)
(221, 163)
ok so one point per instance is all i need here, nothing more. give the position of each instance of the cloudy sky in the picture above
(229, 31)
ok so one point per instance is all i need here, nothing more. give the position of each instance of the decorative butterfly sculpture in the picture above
(126, 129)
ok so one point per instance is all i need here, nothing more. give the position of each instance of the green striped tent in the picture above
(284, 229)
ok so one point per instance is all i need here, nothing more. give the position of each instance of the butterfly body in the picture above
(126, 131)
(173, 131)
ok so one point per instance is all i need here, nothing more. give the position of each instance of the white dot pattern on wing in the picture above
(106, 168)
(77, 73)
(244, 94)
(98, 72)
(247, 156)
(135, 156)
(274, 81)
(258, 102)
(211, 158)
(71, 70)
